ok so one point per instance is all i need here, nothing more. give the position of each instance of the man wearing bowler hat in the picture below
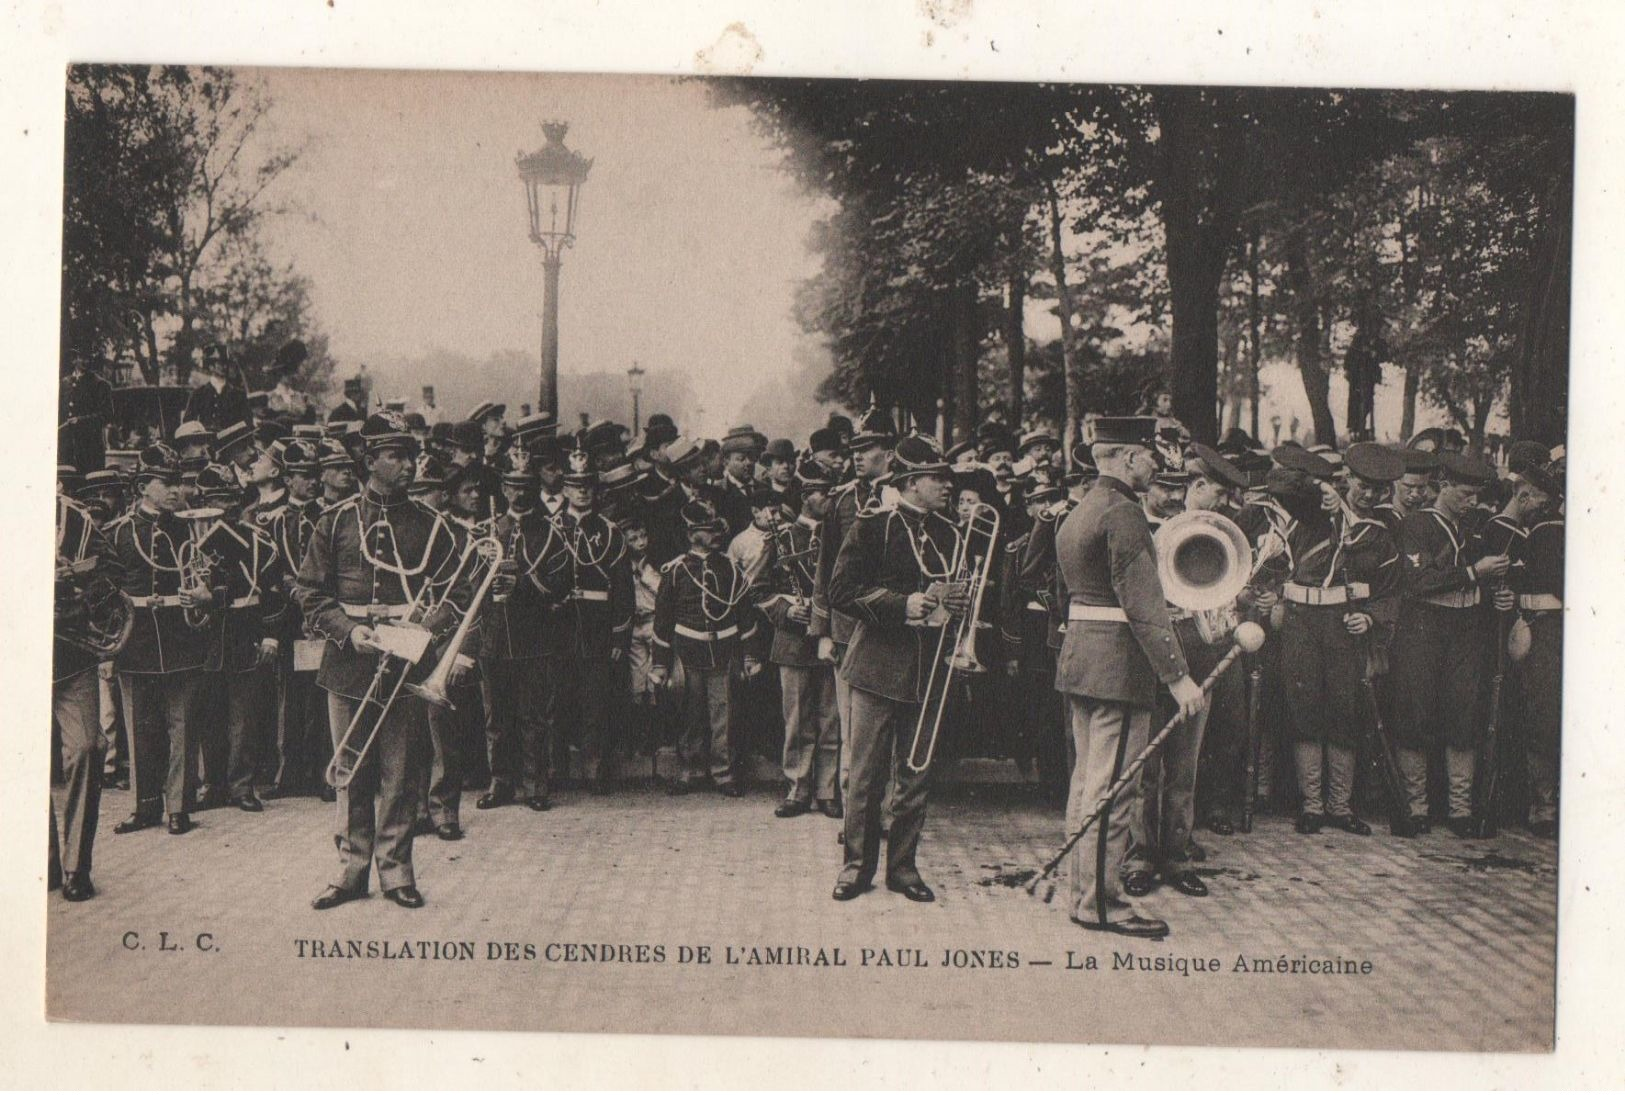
(1119, 646)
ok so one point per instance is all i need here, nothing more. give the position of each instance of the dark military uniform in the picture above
(303, 743)
(1119, 646)
(1439, 655)
(248, 566)
(523, 641)
(812, 729)
(75, 698)
(1337, 570)
(704, 618)
(161, 668)
(888, 555)
(1540, 603)
(845, 503)
(368, 560)
(597, 620)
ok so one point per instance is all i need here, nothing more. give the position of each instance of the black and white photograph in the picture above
(1070, 561)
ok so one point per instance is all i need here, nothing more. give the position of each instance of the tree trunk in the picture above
(150, 368)
(1306, 314)
(1069, 372)
(1015, 343)
(967, 342)
(1538, 398)
(1196, 234)
(1254, 350)
(1407, 418)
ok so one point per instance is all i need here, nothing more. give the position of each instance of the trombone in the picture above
(404, 646)
(973, 571)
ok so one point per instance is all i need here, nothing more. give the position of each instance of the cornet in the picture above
(195, 565)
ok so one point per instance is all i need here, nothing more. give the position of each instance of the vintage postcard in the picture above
(1067, 562)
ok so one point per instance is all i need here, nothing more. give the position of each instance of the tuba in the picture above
(1204, 561)
(972, 571)
(93, 614)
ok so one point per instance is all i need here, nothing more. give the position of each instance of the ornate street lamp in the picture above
(634, 380)
(552, 176)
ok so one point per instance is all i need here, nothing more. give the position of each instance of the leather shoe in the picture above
(790, 808)
(914, 891)
(1350, 824)
(76, 886)
(1139, 882)
(1462, 827)
(1139, 927)
(677, 787)
(1309, 824)
(497, 796)
(334, 896)
(134, 824)
(210, 798)
(179, 823)
(731, 789)
(1420, 824)
(422, 827)
(1221, 826)
(539, 803)
(830, 808)
(846, 891)
(449, 830)
(327, 794)
(1188, 883)
(407, 897)
(249, 803)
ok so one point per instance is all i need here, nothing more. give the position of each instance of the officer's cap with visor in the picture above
(916, 456)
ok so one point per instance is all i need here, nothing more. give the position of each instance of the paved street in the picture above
(1460, 935)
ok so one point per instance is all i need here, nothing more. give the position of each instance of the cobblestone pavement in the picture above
(1460, 935)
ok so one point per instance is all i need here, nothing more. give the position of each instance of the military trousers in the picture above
(812, 731)
(1108, 736)
(1325, 777)
(75, 704)
(1324, 670)
(1542, 678)
(1162, 802)
(159, 709)
(708, 742)
(302, 742)
(376, 810)
(882, 732)
(1438, 665)
(519, 732)
(449, 732)
(593, 689)
(230, 745)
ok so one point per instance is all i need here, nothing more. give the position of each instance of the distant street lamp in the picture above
(552, 176)
(634, 379)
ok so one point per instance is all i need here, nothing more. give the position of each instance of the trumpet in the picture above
(958, 654)
(195, 565)
(404, 646)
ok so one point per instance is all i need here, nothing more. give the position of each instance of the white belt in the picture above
(376, 612)
(589, 595)
(1460, 598)
(245, 602)
(1540, 602)
(170, 601)
(1113, 613)
(1036, 606)
(707, 636)
(1325, 595)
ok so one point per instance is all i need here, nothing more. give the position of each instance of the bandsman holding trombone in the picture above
(379, 565)
(894, 576)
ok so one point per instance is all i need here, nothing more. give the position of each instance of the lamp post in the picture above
(634, 379)
(552, 176)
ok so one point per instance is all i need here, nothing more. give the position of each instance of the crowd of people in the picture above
(391, 611)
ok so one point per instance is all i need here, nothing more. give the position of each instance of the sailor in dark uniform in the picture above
(1441, 647)
(1540, 606)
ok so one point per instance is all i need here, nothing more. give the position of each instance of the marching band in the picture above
(388, 612)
